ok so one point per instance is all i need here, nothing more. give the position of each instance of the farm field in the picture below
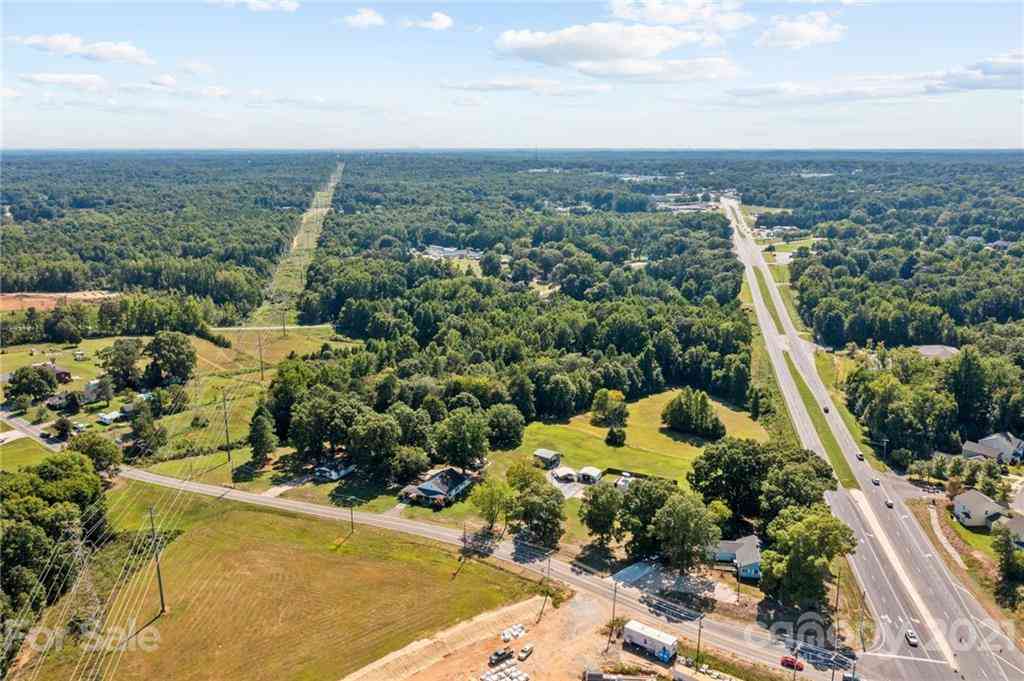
(309, 586)
(24, 451)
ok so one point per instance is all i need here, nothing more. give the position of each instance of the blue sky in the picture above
(624, 73)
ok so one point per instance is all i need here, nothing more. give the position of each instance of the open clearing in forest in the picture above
(245, 583)
(290, 276)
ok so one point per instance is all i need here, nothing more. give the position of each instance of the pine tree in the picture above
(262, 438)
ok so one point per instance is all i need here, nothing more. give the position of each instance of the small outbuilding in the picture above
(109, 417)
(564, 474)
(649, 640)
(589, 475)
(548, 458)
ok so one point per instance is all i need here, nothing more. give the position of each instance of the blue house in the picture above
(744, 553)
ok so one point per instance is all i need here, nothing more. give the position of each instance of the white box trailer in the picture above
(650, 640)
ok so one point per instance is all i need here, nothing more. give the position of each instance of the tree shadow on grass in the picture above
(596, 557)
(685, 438)
(358, 492)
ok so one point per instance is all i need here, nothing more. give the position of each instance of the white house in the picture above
(744, 553)
(109, 417)
(974, 509)
(589, 474)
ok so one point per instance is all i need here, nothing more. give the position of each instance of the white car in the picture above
(912, 637)
(525, 651)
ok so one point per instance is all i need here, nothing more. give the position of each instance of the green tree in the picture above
(262, 438)
(732, 470)
(492, 499)
(105, 455)
(616, 437)
(373, 440)
(685, 530)
(120, 362)
(415, 424)
(35, 382)
(522, 475)
(521, 393)
(106, 389)
(540, 510)
(62, 427)
(147, 436)
(967, 380)
(641, 502)
(505, 425)
(173, 358)
(490, 264)
(691, 412)
(461, 438)
(408, 463)
(793, 484)
(599, 511)
(803, 543)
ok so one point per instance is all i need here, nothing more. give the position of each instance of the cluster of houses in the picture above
(776, 232)
(60, 373)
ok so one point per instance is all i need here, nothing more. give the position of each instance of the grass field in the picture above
(256, 594)
(780, 273)
(828, 439)
(649, 449)
(4, 427)
(290, 275)
(793, 246)
(765, 294)
(24, 451)
(789, 300)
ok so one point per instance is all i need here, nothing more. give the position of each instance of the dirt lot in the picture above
(10, 302)
(567, 639)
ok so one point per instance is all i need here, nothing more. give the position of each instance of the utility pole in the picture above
(227, 437)
(700, 630)
(284, 327)
(259, 342)
(835, 626)
(156, 556)
(611, 626)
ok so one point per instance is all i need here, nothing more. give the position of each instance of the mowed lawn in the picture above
(257, 594)
(650, 449)
(24, 451)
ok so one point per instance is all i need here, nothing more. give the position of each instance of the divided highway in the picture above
(908, 586)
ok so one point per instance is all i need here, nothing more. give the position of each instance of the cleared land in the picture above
(10, 302)
(290, 275)
(769, 303)
(24, 451)
(308, 587)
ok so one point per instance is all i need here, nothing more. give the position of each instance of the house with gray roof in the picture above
(1003, 447)
(974, 509)
(1015, 525)
(744, 553)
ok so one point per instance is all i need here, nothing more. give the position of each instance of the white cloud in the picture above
(364, 18)
(195, 67)
(438, 21)
(264, 99)
(72, 45)
(539, 86)
(712, 15)
(615, 50)
(88, 82)
(260, 5)
(795, 33)
(165, 80)
(9, 93)
(594, 42)
(1003, 72)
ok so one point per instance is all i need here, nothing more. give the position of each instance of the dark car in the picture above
(826, 409)
(499, 656)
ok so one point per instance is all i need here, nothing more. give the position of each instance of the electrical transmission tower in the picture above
(87, 605)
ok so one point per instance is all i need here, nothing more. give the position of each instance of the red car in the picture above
(790, 662)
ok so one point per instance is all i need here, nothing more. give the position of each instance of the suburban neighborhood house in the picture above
(547, 458)
(744, 553)
(1003, 447)
(439, 490)
(1015, 525)
(974, 509)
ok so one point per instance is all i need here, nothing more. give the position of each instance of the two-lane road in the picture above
(908, 586)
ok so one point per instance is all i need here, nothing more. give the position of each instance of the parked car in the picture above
(790, 662)
(525, 651)
(888, 503)
(912, 637)
(499, 656)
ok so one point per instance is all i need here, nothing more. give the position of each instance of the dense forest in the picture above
(209, 224)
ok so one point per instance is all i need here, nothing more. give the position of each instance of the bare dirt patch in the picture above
(12, 302)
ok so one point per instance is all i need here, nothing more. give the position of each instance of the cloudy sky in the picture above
(625, 73)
